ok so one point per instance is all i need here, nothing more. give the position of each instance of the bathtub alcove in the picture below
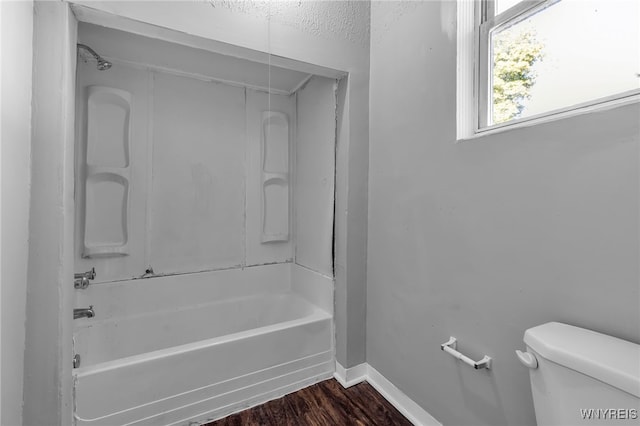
(204, 201)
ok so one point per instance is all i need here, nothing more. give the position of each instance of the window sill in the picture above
(627, 98)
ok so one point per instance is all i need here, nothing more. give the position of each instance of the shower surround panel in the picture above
(194, 189)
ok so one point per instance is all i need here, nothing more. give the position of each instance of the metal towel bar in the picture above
(450, 348)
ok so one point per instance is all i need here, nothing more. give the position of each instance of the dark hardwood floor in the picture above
(323, 404)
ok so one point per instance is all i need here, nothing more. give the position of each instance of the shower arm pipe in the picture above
(102, 63)
(90, 50)
(450, 348)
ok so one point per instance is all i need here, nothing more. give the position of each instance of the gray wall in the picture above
(17, 39)
(483, 239)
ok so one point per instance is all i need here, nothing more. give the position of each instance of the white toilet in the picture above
(580, 377)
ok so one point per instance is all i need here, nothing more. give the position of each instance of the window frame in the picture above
(490, 22)
(476, 21)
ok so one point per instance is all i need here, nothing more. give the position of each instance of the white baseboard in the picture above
(348, 377)
(364, 372)
(409, 408)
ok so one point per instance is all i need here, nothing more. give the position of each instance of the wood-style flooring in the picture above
(323, 404)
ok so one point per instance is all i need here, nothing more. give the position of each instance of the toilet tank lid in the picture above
(608, 359)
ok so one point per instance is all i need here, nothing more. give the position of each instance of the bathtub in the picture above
(192, 348)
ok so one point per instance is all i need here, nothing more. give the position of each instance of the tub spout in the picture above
(84, 313)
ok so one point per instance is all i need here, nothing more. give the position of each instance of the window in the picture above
(529, 59)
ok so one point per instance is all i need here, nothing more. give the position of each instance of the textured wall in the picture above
(345, 17)
(485, 238)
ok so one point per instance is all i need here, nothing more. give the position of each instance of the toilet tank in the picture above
(583, 377)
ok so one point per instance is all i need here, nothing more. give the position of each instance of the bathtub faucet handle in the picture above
(81, 283)
(81, 280)
(91, 274)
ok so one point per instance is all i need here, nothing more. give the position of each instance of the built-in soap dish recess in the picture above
(107, 172)
(275, 177)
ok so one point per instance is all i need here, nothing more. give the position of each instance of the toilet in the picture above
(580, 377)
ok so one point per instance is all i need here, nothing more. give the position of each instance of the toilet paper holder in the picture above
(450, 348)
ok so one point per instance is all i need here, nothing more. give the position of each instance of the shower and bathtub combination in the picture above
(204, 215)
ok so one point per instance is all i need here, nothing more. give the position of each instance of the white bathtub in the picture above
(198, 347)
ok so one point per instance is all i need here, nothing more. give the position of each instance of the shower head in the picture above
(102, 64)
